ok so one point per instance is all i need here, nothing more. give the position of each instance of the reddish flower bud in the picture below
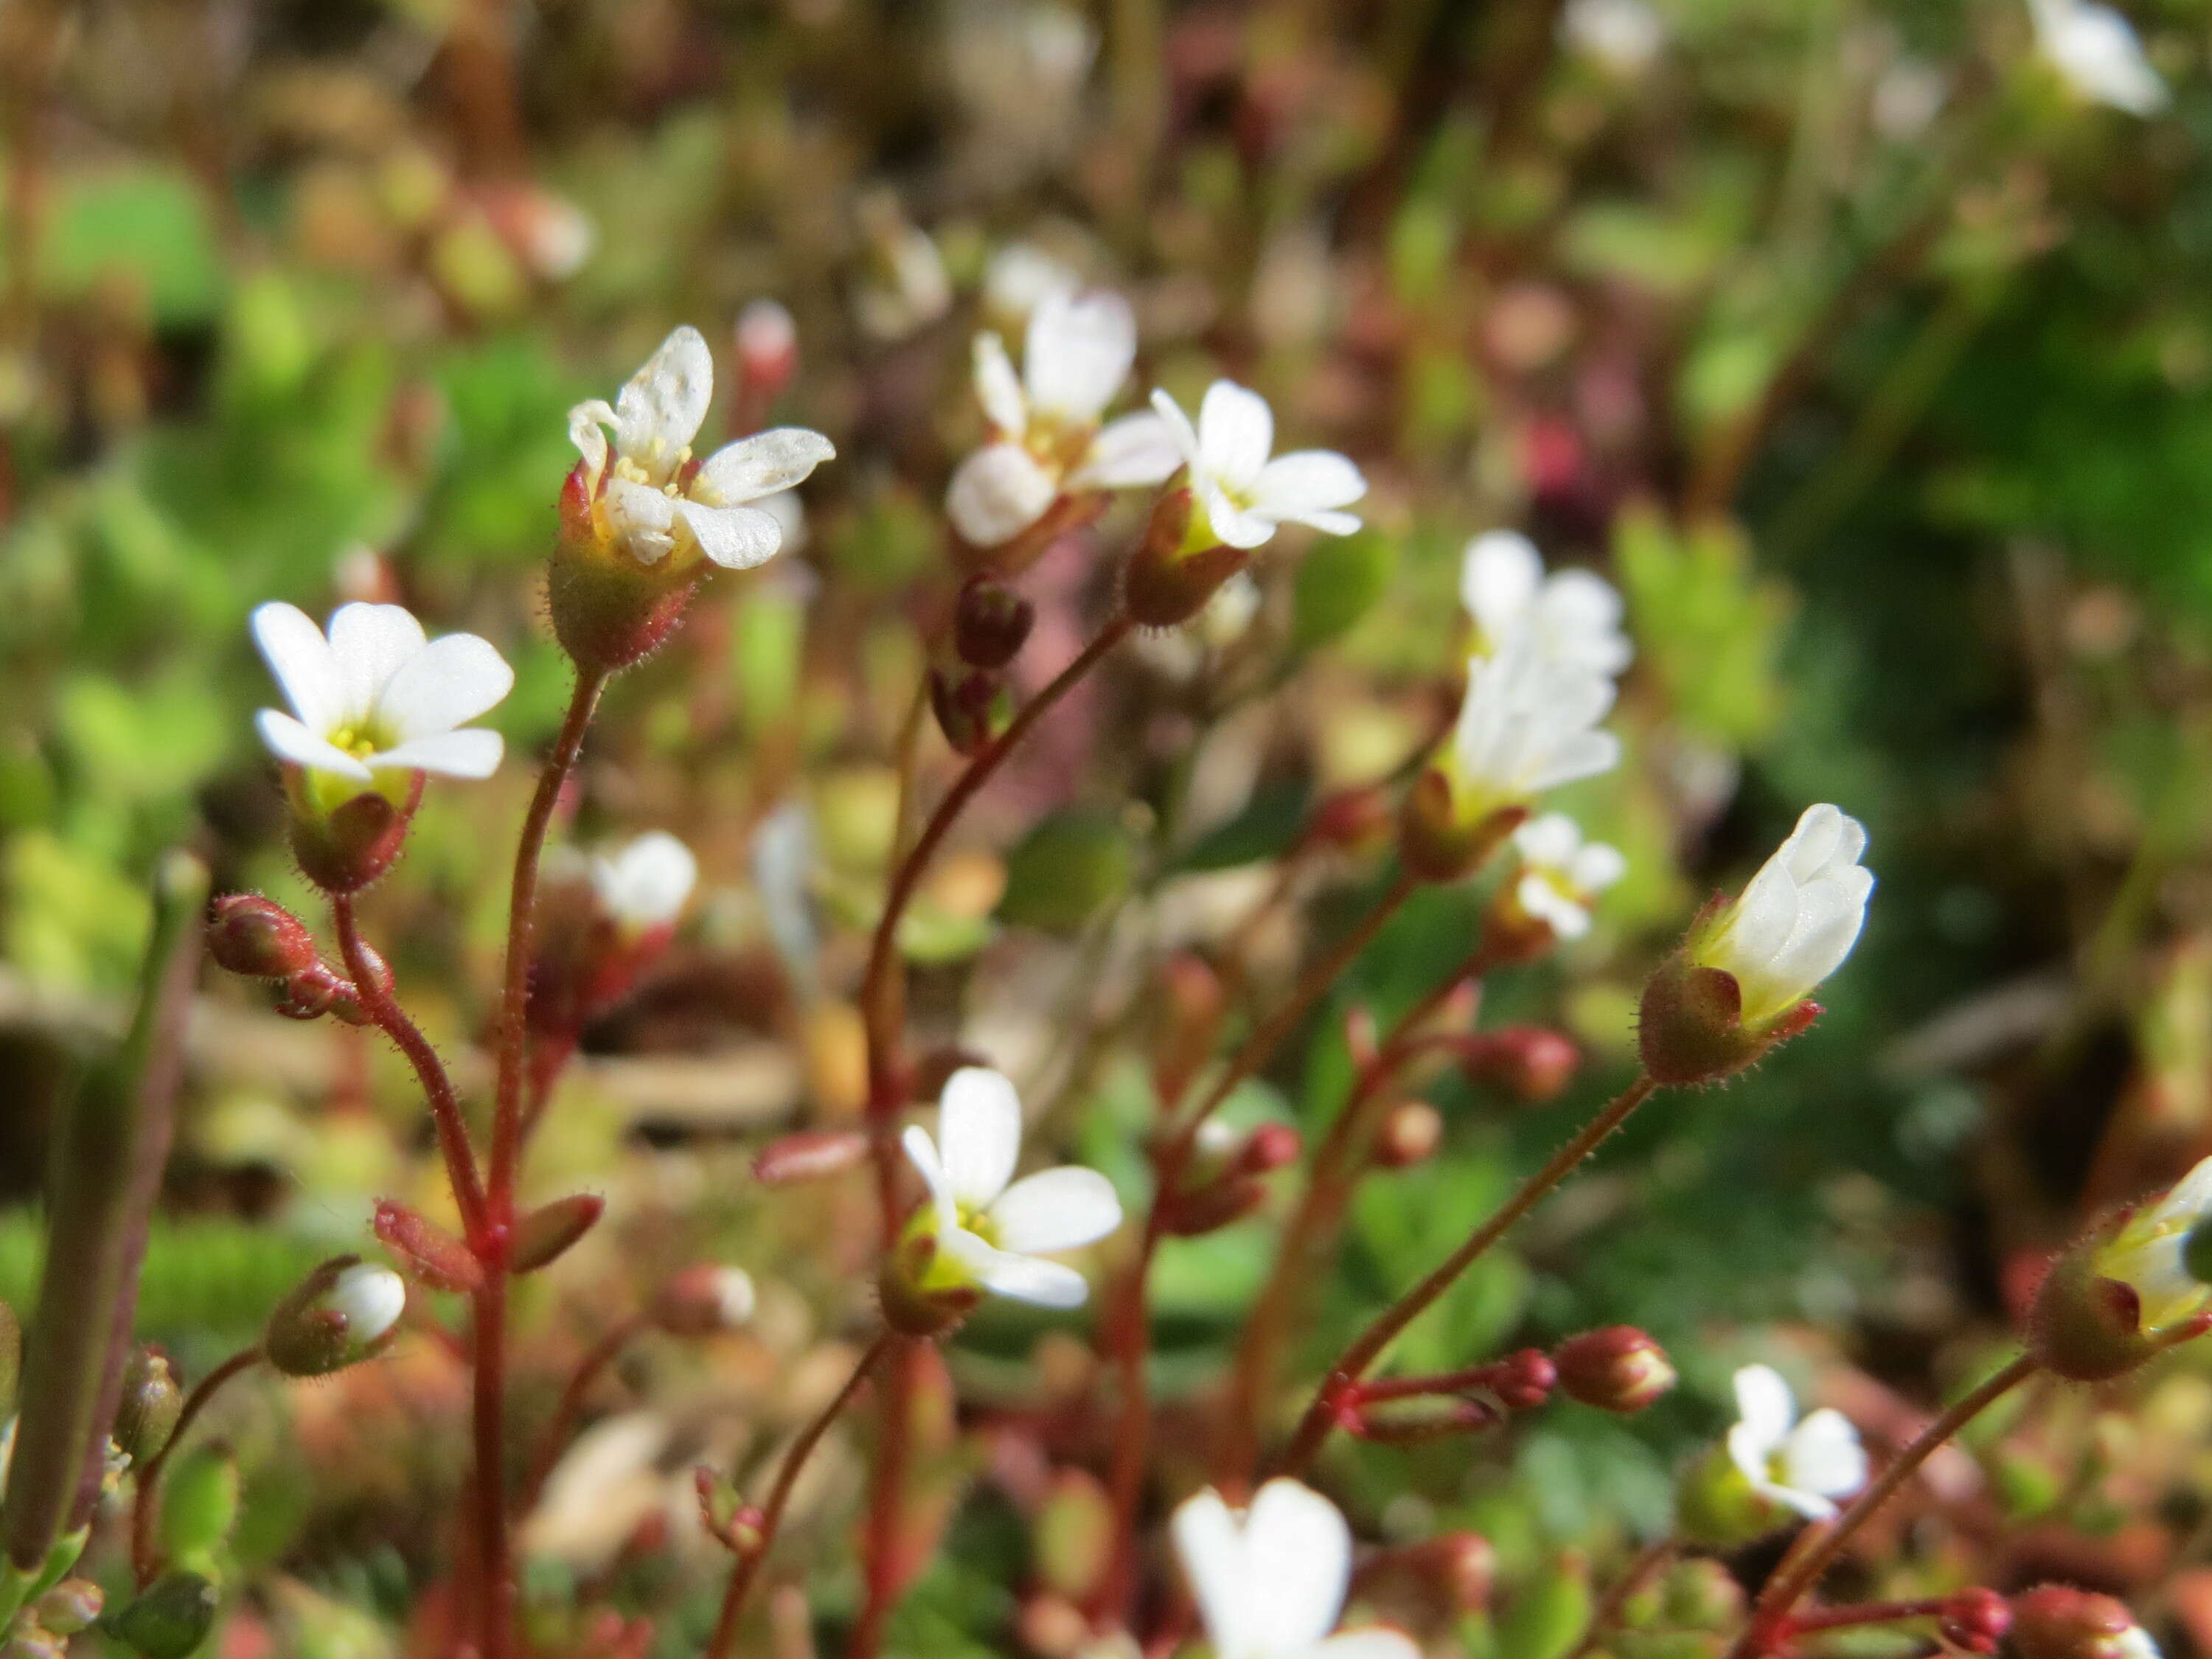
(1165, 585)
(704, 1298)
(1270, 1146)
(1437, 843)
(313, 992)
(2056, 1621)
(1209, 1208)
(1529, 1062)
(345, 849)
(1465, 1566)
(425, 1250)
(767, 342)
(1616, 1368)
(258, 936)
(990, 623)
(968, 706)
(1354, 820)
(814, 1155)
(346, 1003)
(546, 1233)
(1523, 1380)
(1410, 1134)
(1976, 1619)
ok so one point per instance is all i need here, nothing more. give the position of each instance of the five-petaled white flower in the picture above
(2095, 51)
(1562, 874)
(651, 497)
(1529, 724)
(1270, 1580)
(377, 697)
(1045, 437)
(988, 1231)
(2153, 1254)
(1805, 1465)
(1575, 613)
(1797, 920)
(1244, 495)
(644, 884)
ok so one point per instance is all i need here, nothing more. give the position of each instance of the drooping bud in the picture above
(1976, 1619)
(1438, 843)
(1532, 1063)
(1167, 583)
(704, 1298)
(147, 1411)
(543, 1235)
(1410, 1134)
(170, 1618)
(427, 1251)
(969, 706)
(345, 1312)
(2056, 1621)
(809, 1155)
(257, 938)
(1615, 1368)
(346, 847)
(990, 623)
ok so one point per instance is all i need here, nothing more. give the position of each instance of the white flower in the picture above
(370, 1298)
(1797, 920)
(645, 884)
(654, 501)
(1021, 277)
(2151, 1255)
(735, 1298)
(988, 1231)
(1246, 497)
(377, 696)
(1576, 614)
(1045, 437)
(1561, 874)
(1270, 1580)
(1804, 1465)
(2095, 51)
(1529, 724)
(1624, 35)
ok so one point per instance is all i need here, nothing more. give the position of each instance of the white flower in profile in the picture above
(2163, 1254)
(1804, 1465)
(651, 498)
(1245, 496)
(645, 885)
(1562, 874)
(1797, 920)
(989, 1232)
(1529, 724)
(2095, 51)
(1624, 35)
(1270, 1580)
(1046, 436)
(1576, 613)
(376, 701)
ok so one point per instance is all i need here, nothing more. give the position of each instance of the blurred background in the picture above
(1867, 346)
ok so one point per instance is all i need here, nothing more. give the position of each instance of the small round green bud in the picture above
(147, 1411)
(170, 1618)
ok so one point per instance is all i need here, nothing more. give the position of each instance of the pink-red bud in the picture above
(311, 993)
(1976, 1619)
(1269, 1147)
(990, 623)
(258, 936)
(1352, 820)
(2056, 1621)
(1616, 1368)
(1409, 1134)
(1529, 1062)
(425, 1250)
(703, 1298)
(968, 705)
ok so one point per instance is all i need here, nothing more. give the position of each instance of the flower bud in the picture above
(609, 611)
(990, 623)
(311, 993)
(147, 1411)
(704, 1298)
(767, 341)
(1616, 1368)
(1355, 821)
(259, 938)
(1439, 844)
(170, 1618)
(346, 847)
(809, 1155)
(68, 1606)
(1409, 1134)
(346, 1002)
(1690, 1028)
(1267, 1148)
(543, 1235)
(343, 1312)
(1529, 1062)
(2056, 1621)
(1167, 582)
(1465, 1567)
(969, 706)
(427, 1251)
(1976, 1619)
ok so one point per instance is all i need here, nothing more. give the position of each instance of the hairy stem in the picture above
(1313, 1427)
(145, 1504)
(487, 1425)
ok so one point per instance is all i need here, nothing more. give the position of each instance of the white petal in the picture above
(289, 740)
(1584, 755)
(1181, 433)
(1376, 1642)
(734, 538)
(371, 641)
(1498, 576)
(1550, 840)
(1020, 1277)
(750, 468)
(588, 424)
(1299, 1553)
(1764, 1404)
(1755, 928)
(643, 518)
(998, 388)
(1136, 449)
(2191, 1195)
(980, 1126)
(1055, 1209)
(1749, 1453)
(1823, 1456)
(648, 882)
(1209, 1541)
(370, 1298)
(1305, 483)
(1236, 527)
(1596, 868)
(1811, 1505)
(305, 668)
(448, 682)
(921, 1151)
(1545, 902)
(1077, 353)
(474, 753)
(1236, 430)
(660, 411)
(997, 493)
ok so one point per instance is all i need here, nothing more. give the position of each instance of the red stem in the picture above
(487, 1422)
(143, 1507)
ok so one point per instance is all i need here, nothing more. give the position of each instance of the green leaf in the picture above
(1339, 581)
(142, 226)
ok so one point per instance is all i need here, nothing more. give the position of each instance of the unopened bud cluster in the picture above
(257, 938)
